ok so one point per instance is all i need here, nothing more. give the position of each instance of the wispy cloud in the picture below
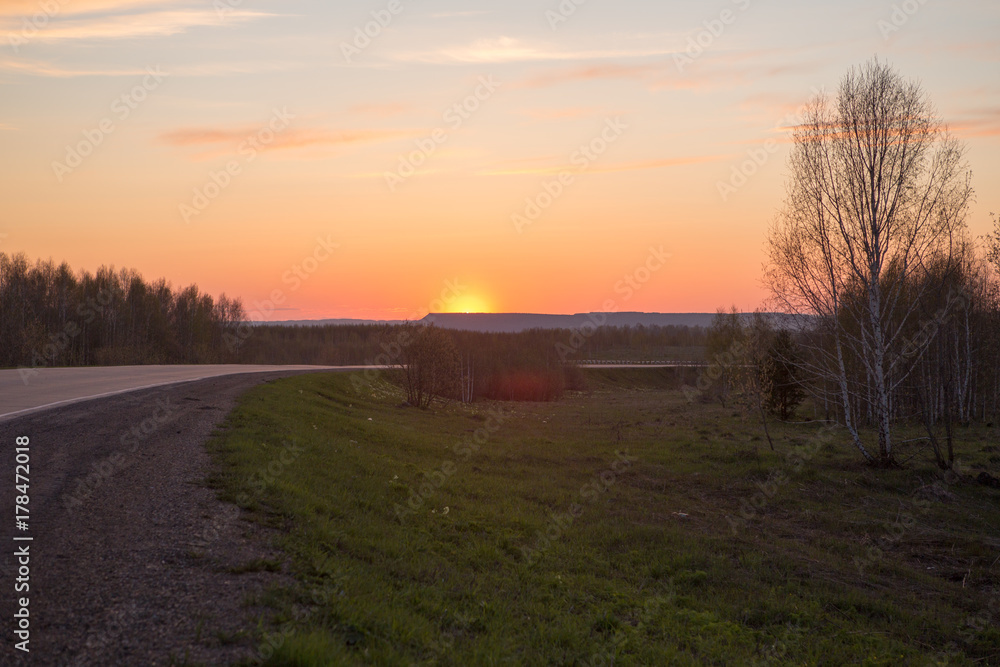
(51, 69)
(143, 24)
(985, 125)
(39, 68)
(218, 140)
(32, 7)
(510, 50)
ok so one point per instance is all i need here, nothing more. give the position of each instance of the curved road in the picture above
(25, 390)
(134, 560)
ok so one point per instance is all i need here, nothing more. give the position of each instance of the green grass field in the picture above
(621, 526)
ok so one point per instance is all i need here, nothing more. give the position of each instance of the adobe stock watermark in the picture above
(717, 367)
(795, 459)
(440, 648)
(121, 109)
(59, 342)
(701, 41)
(248, 149)
(581, 159)
(298, 618)
(876, 548)
(32, 25)
(464, 449)
(391, 351)
(365, 35)
(928, 328)
(226, 7)
(630, 283)
(652, 606)
(455, 116)
(558, 524)
(133, 437)
(107, 634)
(988, 618)
(563, 12)
(740, 174)
(258, 483)
(294, 278)
(756, 158)
(899, 16)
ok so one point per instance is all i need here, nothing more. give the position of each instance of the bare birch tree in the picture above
(993, 242)
(878, 189)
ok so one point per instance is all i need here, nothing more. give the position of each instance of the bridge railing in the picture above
(672, 363)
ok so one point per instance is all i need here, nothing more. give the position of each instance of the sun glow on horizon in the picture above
(473, 162)
(469, 303)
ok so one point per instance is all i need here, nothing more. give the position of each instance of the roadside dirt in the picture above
(133, 557)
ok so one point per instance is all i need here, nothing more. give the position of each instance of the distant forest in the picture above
(53, 316)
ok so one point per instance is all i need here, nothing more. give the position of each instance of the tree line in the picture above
(51, 315)
(899, 307)
(463, 365)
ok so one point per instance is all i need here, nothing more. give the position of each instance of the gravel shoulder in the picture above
(134, 561)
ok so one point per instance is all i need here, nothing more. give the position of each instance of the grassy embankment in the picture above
(620, 526)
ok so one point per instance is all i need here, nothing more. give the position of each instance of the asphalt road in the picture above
(26, 390)
(132, 560)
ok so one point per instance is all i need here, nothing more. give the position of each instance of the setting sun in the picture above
(469, 303)
(534, 332)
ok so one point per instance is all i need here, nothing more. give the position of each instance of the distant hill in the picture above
(335, 323)
(513, 322)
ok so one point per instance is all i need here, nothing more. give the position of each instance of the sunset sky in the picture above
(232, 144)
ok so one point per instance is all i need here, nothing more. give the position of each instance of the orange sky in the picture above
(234, 145)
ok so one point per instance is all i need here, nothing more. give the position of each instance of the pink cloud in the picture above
(287, 139)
